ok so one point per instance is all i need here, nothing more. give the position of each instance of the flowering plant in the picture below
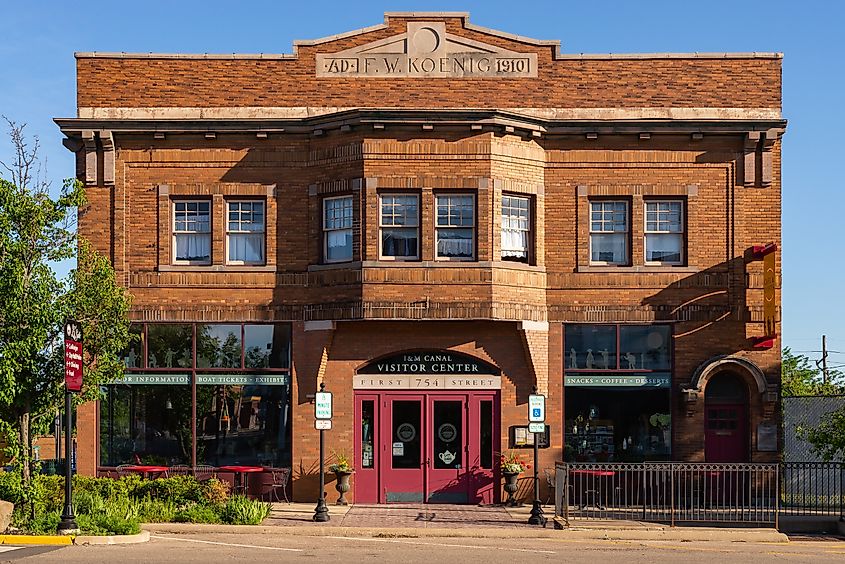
(341, 464)
(510, 462)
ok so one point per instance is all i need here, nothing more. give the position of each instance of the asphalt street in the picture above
(205, 549)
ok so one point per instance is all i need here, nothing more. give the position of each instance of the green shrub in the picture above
(239, 510)
(178, 489)
(108, 524)
(215, 491)
(199, 513)
(88, 503)
(48, 491)
(155, 510)
(45, 523)
(10, 487)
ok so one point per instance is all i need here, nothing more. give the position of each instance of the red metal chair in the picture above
(280, 481)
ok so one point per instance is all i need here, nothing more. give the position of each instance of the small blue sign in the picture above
(536, 412)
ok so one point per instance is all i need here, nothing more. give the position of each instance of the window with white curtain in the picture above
(455, 226)
(245, 232)
(337, 229)
(399, 224)
(609, 232)
(516, 228)
(192, 232)
(664, 232)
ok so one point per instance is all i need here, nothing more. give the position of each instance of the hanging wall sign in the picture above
(73, 355)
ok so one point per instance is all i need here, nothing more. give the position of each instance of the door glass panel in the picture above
(406, 451)
(448, 430)
(486, 439)
(367, 450)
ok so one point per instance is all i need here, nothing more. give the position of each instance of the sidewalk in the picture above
(424, 520)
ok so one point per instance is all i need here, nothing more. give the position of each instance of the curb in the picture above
(646, 534)
(143, 536)
(54, 540)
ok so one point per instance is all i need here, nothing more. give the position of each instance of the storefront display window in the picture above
(617, 425)
(618, 392)
(170, 345)
(267, 346)
(133, 356)
(146, 425)
(219, 346)
(243, 424)
(242, 390)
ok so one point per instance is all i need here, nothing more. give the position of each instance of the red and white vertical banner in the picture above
(73, 356)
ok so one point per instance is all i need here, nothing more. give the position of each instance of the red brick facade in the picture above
(701, 129)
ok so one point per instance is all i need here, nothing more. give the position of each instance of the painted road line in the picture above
(229, 544)
(9, 548)
(449, 545)
(36, 539)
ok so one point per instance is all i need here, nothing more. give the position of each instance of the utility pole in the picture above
(824, 359)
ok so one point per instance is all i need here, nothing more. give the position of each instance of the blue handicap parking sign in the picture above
(536, 412)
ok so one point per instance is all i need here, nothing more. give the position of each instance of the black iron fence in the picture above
(813, 489)
(670, 492)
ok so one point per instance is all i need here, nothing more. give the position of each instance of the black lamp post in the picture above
(537, 517)
(73, 383)
(68, 525)
(321, 512)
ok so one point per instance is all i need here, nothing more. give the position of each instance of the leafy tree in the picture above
(801, 378)
(828, 439)
(37, 230)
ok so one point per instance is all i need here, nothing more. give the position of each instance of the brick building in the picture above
(434, 218)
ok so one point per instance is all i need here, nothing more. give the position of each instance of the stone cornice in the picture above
(524, 121)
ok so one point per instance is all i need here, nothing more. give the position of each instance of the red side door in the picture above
(726, 432)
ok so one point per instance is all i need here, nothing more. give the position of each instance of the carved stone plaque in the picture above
(427, 51)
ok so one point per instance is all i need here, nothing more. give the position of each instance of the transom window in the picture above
(455, 228)
(399, 226)
(664, 232)
(337, 229)
(609, 232)
(192, 232)
(516, 228)
(245, 232)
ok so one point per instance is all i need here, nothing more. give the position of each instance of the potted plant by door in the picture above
(342, 469)
(511, 467)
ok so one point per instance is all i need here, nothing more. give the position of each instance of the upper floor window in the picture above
(664, 232)
(337, 229)
(192, 232)
(609, 232)
(516, 228)
(455, 228)
(399, 225)
(245, 232)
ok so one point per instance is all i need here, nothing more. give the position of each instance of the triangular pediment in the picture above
(427, 50)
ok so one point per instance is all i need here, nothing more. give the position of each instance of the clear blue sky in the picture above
(38, 83)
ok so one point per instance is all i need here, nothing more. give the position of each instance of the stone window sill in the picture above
(217, 268)
(640, 269)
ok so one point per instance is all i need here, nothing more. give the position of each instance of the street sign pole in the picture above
(73, 383)
(322, 411)
(536, 415)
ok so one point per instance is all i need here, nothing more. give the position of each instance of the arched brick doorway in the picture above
(726, 436)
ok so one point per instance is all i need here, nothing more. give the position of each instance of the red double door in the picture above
(433, 448)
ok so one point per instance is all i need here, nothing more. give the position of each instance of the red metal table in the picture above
(242, 475)
(589, 486)
(145, 471)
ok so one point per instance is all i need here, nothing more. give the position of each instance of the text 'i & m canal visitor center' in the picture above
(433, 219)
